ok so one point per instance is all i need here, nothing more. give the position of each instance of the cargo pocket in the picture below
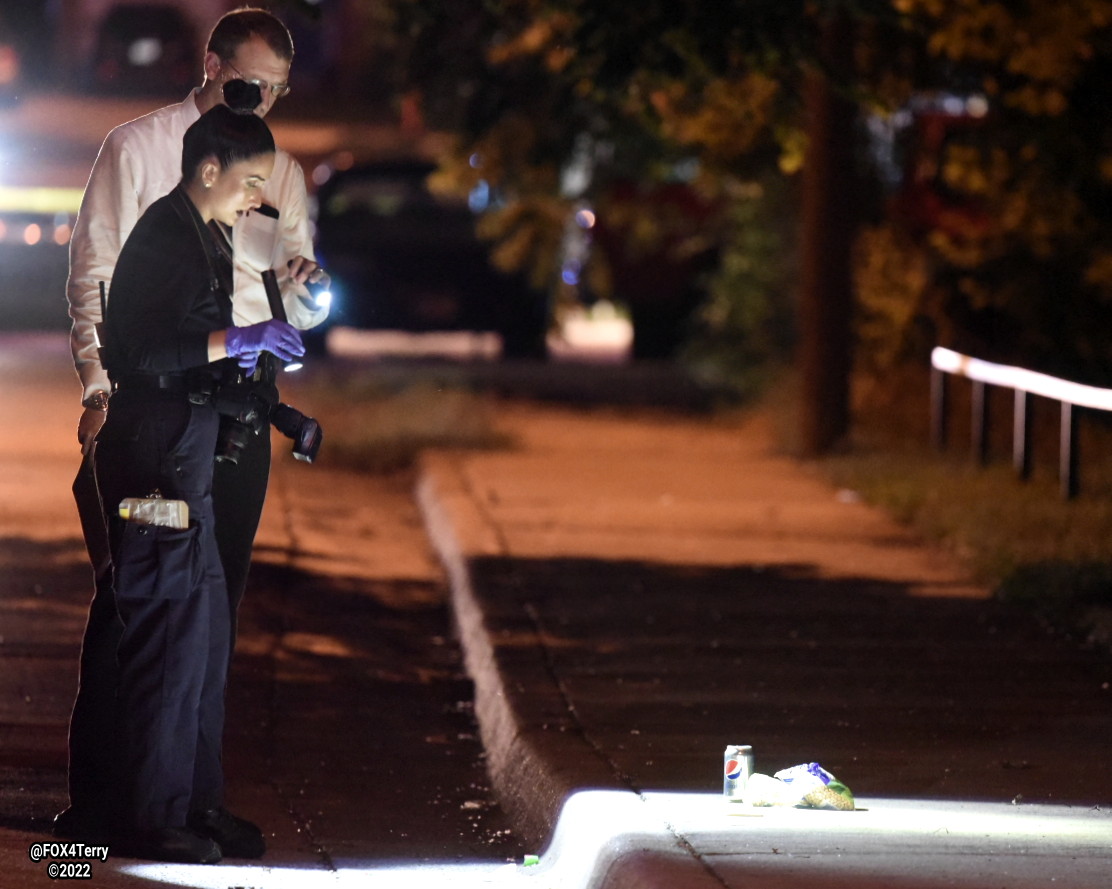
(154, 562)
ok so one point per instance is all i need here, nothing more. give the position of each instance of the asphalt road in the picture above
(350, 736)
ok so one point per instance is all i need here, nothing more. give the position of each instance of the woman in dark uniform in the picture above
(169, 344)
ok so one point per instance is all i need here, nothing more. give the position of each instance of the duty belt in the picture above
(198, 388)
(168, 382)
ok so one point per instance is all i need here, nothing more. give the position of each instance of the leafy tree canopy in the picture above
(530, 86)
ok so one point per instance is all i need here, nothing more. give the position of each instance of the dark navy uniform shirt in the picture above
(168, 292)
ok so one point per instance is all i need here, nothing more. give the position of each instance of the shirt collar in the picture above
(188, 108)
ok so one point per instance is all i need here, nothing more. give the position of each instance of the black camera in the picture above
(231, 440)
(242, 413)
(305, 431)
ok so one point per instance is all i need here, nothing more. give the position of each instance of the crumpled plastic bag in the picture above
(804, 786)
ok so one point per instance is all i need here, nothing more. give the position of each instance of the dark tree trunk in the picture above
(826, 290)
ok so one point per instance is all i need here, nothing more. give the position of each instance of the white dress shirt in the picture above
(138, 163)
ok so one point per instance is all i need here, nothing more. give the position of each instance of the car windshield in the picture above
(383, 197)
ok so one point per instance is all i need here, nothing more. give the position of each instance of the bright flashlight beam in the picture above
(397, 876)
(890, 842)
(879, 844)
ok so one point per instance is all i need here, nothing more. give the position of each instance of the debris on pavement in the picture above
(803, 786)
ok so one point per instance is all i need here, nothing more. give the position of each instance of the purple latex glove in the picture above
(245, 344)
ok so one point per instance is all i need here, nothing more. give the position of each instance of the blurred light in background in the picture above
(479, 199)
(569, 274)
(9, 65)
(37, 215)
(144, 51)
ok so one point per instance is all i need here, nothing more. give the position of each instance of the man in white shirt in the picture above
(140, 162)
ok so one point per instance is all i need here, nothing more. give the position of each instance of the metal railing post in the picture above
(1068, 461)
(939, 428)
(1021, 434)
(980, 422)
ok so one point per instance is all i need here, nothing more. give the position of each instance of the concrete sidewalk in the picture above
(635, 591)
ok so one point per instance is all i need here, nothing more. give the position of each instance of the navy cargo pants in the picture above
(172, 601)
(238, 495)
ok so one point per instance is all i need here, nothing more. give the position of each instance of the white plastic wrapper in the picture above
(804, 786)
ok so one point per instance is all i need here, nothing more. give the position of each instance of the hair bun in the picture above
(241, 96)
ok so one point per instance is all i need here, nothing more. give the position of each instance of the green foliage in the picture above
(522, 83)
(745, 327)
(891, 282)
(652, 83)
(1031, 281)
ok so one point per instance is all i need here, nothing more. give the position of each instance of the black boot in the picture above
(177, 844)
(237, 837)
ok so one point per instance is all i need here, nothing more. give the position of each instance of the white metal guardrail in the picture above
(1025, 384)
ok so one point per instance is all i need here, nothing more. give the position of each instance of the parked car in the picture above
(403, 258)
(144, 49)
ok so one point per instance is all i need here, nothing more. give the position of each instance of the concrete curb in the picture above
(536, 755)
(561, 793)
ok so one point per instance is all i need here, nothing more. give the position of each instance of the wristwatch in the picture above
(98, 400)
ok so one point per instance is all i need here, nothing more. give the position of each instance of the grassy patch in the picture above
(381, 425)
(1020, 538)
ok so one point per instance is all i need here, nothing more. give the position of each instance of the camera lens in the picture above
(231, 440)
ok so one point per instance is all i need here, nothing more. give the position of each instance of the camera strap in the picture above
(219, 262)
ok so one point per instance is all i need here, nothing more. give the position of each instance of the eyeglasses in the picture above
(275, 89)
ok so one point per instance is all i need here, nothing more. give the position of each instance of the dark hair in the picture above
(229, 136)
(240, 25)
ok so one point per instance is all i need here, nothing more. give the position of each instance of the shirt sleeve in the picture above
(108, 212)
(158, 279)
(296, 240)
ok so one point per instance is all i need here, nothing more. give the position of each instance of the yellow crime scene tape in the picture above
(17, 199)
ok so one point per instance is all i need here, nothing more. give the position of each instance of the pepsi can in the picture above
(738, 766)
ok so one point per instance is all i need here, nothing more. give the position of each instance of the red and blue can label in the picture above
(738, 766)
